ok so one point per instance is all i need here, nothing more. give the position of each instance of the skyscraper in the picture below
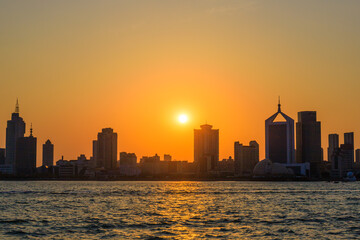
(94, 157)
(25, 163)
(279, 138)
(333, 144)
(246, 157)
(2, 156)
(308, 141)
(206, 148)
(349, 145)
(48, 154)
(357, 156)
(15, 129)
(106, 149)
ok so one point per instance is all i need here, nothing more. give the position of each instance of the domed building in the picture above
(266, 168)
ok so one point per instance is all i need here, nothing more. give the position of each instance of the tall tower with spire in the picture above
(279, 138)
(15, 129)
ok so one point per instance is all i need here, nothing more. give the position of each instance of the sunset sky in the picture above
(134, 66)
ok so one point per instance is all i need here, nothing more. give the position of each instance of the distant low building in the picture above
(73, 168)
(150, 165)
(226, 166)
(128, 164)
(167, 157)
(246, 157)
(128, 159)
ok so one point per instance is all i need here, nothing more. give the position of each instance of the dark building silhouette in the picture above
(349, 140)
(357, 156)
(342, 159)
(15, 129)
(167, 157)
(226, 167)
(128, 159)
(333, 144)
(25, 156)
(206, 149)
(246, 157)
(48, 154)
(106, 149)
(150, 165)
(308, 141)
(279, 138)
(94, 156)
(2, 156)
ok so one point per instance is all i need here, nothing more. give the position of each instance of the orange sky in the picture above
(78, 67)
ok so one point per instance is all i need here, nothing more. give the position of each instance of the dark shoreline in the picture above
(158, 179)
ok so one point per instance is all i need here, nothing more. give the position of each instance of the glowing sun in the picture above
(183, 118)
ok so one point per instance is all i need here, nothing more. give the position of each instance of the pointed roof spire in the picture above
(279, 105)
(17, 109)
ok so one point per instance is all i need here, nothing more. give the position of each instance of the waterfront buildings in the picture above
(246, 157)
(357, 154)
(128, 159)
(150, 165)
(128, 164)
(25, 161)
(48, 154)
(227, 166)
(15, 129)
(349, 141)
(206, 149)
(308, 141)
(2, 156)
(333, 144)
(279, 138)
(342, 159)
(167, 157)
(105, 149)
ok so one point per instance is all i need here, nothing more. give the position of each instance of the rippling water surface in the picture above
(179, 210)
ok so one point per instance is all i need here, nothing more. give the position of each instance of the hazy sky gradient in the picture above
(80, 66)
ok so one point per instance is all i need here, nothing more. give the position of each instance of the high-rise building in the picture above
(206, 148)
(25, 163)
(279, 138)
(48, 154)
(106, 149)
(246, 157)
(2, 156)
(94, 156)
(333, 144)
(349, 141)
(308, 141)
(15, 129)
(357, 158)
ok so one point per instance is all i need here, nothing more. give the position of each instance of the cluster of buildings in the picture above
(282, 159)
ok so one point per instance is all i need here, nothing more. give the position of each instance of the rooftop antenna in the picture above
(17, 110)
(31, 130)
(279, 105)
